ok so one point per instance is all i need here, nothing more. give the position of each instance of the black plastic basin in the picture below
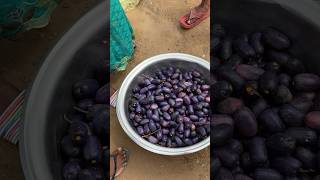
(79, 52)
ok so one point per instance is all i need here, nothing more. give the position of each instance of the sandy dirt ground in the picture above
(157, 31)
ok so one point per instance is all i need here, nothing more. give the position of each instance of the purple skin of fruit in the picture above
(259, 106)
(228, 74)
(85, 88)
(78, 131)
(288, 166)
(92, 150)
(268, 82)
(244, 48)
(99, 122)
(281, 144)
(270, 121)
(245, 122)
(258, 151)
(249, 72)
(276, 39)
(267, 174)
(217, 119)
(307, 158)
(229, 105)
(71, 171)
(221, 134)
(68, 148)
(280, 57)
(312, 120)
(291, 116)
(102, 95)
(304, 136)
(306, 82)
(301, 103)
(228, 158)
(282, 95)
(86, 174)
(256, 42)
(285, 79)
(221, 90)
(85, 104)
(223, 174)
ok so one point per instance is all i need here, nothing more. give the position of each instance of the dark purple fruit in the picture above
(86, 174)
(102, 95)
(92, 150)
(268, 82)
(276, 39)
(281, 58)
(78, 132)
(290, 115)
(221, 90)
(282, 95)
(235, 60)
(259, 106)
(85, 104)
(306, 82)
(272, 66)
(228, 158)
(301, 103)
(242, 177)
(256, 42)
(68, 148)
(304, 136)
(281, 143)
(85, 88)
(71, 171)
(243, 47)
(226, 49)
(267, 174)
(220, 134)
(245, 122)
(223, 174)
(294, 66)
(245, 161)
(249, 72)
(312, 120)
(287, 165)
(235, 146)
(226, 73)
(307, 158)
(229, 105)
(285, 79)
(258, 151)
(215, 165)
(270, 121)
(217, 119)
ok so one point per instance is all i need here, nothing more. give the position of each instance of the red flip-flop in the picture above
(199, 17)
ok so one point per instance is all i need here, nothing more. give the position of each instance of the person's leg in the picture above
(118, 161)
(196, 15)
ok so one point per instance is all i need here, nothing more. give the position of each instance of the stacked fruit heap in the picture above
(171, 108)
(85, 146)
(266, 109)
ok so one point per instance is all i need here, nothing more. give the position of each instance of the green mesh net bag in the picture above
(121, 34)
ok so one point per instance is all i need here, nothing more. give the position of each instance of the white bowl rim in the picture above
(126, 126)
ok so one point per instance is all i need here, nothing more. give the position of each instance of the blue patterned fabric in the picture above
(121, 34)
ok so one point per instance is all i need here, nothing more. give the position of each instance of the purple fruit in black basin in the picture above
(267, 174)
(221, 90)
(312, 120)
(78, 132)
(281, 58)
(285, 79)
(68, 148)
(245, 161)
(258, 151)
(301, 103)
(229, 105)
(259, 106)
(281, 144)
(272, 66)
(294, 66)
(256, 42)
(270, 121)
(287, 165)
(268, 82)
(85, 104)
(245, 122)
(307, 158)
(102, 95)
(226, 49)
(306, 82)
(92, 150)
(86, 174)
(228, 158)
(226, 73)
(235, 146)
(303, 135)
(221, 134)
(276, 39)
(71, 171)
(94, 110)
(290, 115)
(223, 174)
(282, 95)
(243, 47)
(85, 88)
(249, 72)
(217, 119)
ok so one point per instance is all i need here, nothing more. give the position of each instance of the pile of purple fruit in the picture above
(85, 145)
(266, 109)
(171, 107)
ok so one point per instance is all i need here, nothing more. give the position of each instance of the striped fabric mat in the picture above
(11, 119)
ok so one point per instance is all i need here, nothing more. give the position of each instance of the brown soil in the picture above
(157, 31)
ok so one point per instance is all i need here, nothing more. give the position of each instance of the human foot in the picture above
(195, 16)
(118, 162)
